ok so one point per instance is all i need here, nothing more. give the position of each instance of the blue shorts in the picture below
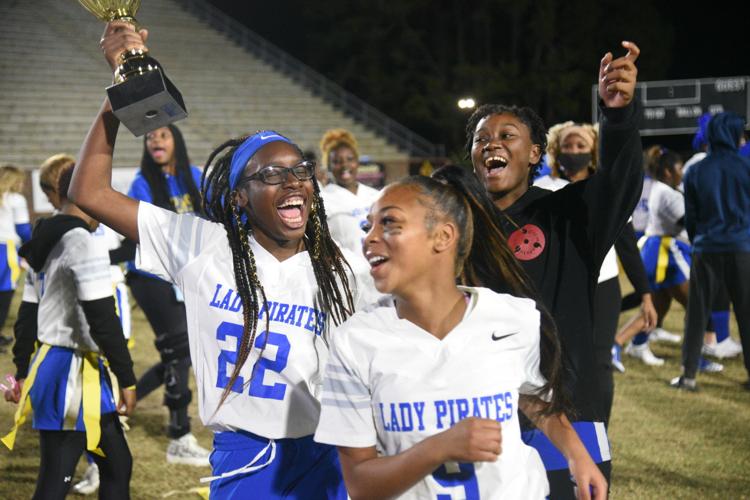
(56, 392)
(667, 261)
(10, 269)
(302, 469)
(593, 436)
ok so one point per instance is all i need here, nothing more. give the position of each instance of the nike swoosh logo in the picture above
(264, 137)
(501, 337)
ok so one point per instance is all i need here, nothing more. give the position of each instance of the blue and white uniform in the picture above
(14, 229)
(664, 248)
(77, 269)
(640, 214)
(276, 396)
(346, 213)
(390, 384)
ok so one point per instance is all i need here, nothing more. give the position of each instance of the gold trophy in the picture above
(142, 96)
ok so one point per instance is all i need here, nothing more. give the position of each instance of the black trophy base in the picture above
(146, 102)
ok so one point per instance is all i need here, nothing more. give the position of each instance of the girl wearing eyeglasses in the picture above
(263, 281)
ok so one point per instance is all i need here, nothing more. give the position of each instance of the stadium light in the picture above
(466, 103)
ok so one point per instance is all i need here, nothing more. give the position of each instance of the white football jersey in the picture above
(111, 240)
(281, 398)
(77, 269)
(391, 384)
(346, 213)
(640, 213)
(13, 210)
(666, 207)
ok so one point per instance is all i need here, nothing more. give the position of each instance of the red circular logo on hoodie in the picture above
(527, 243)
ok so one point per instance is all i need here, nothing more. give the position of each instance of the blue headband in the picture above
(247, 149)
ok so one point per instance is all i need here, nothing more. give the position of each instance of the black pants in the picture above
(561, 484)
(60, 451)
(606, 314)
(708, 272)
(167, 318)
(6, 298)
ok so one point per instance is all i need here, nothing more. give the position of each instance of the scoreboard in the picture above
(673, 106)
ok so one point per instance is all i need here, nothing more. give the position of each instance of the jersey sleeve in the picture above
(19, 207)
(346, 417)
(672, 206)
(88, 263)
(20, 211)
(533, 379)
(169, 241)
(29, 290)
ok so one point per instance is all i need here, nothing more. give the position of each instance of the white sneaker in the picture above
(187, 451)
(90, 482)
(643, 352)
(661, 335)
(707, 366)
(727, 348)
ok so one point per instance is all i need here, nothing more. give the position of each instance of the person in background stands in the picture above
(15, 229)
(717, 219)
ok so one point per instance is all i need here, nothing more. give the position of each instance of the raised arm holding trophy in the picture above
(142, 96)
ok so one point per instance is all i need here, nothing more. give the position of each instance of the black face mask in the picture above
(572, 163)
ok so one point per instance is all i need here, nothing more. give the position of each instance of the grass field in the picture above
(665, 443)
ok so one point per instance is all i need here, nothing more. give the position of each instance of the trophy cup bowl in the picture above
(142, 97)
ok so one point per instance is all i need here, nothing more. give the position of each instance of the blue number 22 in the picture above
(464, 477)
(257, 387)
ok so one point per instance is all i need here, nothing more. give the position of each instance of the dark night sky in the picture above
(712, 40)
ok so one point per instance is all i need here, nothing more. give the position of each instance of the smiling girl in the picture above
(347, 200)
(422, 394)
(167, 180)
(561, 238)
(262, 281)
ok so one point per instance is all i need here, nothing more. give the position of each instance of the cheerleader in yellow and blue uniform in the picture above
(665, 251)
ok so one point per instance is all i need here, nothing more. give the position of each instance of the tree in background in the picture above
(413, 59)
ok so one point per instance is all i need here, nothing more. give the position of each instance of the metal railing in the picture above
(331, 92)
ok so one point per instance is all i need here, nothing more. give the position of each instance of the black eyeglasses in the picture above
(275, 174)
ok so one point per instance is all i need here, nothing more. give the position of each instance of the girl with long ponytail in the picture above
(422, 394)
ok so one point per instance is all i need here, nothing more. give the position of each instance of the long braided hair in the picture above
(485, 259)
(329, 266)
(154, 177)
